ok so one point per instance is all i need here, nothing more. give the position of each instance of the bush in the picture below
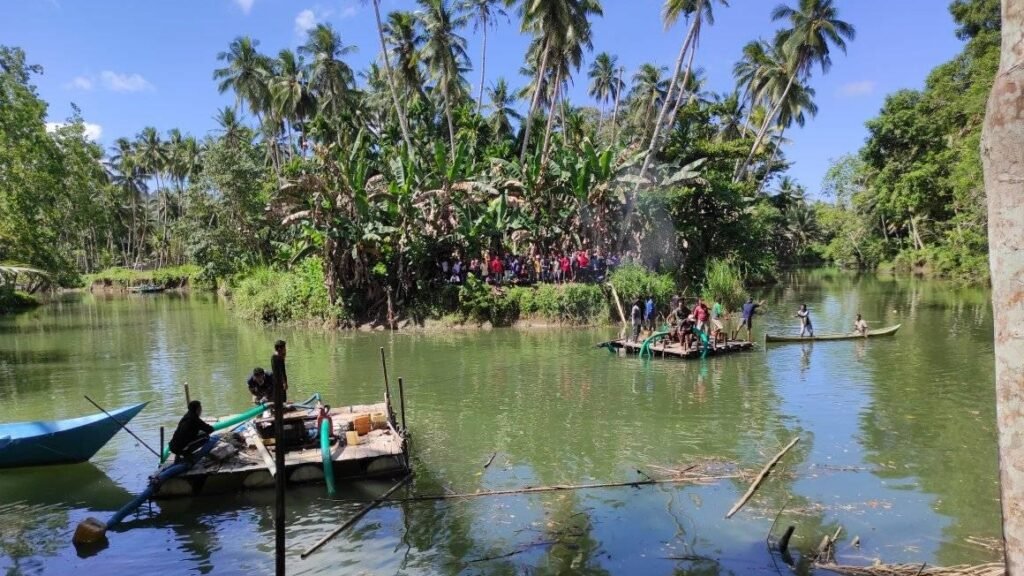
(633, 281)
(297, 295)
(168, 277)
(723, 283)
(482, 303)
(566, 303)
(16, 300)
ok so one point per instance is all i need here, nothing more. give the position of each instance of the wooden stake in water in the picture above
(401, 402)
(188, 397)
(279, 478)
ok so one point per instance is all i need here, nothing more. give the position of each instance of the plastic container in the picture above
(352, 438)
(362, 424)
(379, 420)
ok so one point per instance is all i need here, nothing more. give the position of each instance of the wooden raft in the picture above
(663, 348)
(381, 453)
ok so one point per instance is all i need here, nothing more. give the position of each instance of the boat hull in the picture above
(60, 441)
(889, 331)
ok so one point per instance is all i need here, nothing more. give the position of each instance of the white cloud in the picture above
(245, 5)
(117, 82)
(92, 131)
(348, 11)
(858, 88)
(305, 21)
(80, 83)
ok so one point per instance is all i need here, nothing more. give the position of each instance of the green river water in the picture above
(897, 440)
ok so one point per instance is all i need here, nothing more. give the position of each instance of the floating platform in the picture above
(245, 460)
(665, 349)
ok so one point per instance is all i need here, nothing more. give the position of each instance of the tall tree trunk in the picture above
(483, 67)
(551, 116)
(686, 80)
(615, 112)
(775, 154)
(656, 132)
(764, 128)
(451, 124)
(402, 121)
(533, 104)
(1002, 151)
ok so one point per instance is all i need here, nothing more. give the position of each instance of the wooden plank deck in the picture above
(379, 453)
(674, 350)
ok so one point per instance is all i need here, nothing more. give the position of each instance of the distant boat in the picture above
(889, 331)
(60, 441)
(146, 289)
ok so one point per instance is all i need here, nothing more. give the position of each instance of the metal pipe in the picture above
(401, 402)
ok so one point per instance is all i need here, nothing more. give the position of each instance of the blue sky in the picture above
(129, 64)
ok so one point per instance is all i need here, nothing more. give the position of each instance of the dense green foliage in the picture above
(380, 181)
(634, 282)
(168, 276)
(296, 295)
(915, 194)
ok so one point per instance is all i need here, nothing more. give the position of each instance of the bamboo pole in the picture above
(356, 517)
(618, 305)
(760, 477)
(560, 487)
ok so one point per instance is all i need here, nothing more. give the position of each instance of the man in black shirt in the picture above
(277, 368)
(191, 434)
(261, 386)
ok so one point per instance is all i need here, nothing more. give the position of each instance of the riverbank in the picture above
(186, 276)
(299, 297)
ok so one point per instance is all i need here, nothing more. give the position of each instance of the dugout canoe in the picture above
(889, 331)
(60, 441)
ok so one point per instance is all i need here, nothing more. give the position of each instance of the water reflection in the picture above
(897, 439)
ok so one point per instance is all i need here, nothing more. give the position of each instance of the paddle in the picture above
(124, 426)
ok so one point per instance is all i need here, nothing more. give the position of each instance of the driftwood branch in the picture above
(356, 517)
(760, 477)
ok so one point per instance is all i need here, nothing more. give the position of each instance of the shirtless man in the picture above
(861, 326)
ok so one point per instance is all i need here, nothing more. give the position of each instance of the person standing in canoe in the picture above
(277, 368)
(806, 328)
(747, 321)
(861, 326)
(636, 318)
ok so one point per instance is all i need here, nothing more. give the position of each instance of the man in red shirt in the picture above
(584, 263)
(497, 269)
(566, 267)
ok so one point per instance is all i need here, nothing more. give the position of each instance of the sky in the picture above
(128, 64)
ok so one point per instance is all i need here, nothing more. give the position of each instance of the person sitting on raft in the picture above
(261, 386)
(191, 440)
(860, 326)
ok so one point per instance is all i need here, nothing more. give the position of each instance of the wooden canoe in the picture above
(889, 331)
(59, 441)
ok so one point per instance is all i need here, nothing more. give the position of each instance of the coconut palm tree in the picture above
(649, 90)
(815, 28)
(698, 11)
(444, 53)
(799, 103)
(604, 81)
(561, 30)
(231, 130)
(330, 78)
(748, 72)
(246, 74)
(404, 36)
(483, 13)
(503, 109)
(290, 93)
(403, 123)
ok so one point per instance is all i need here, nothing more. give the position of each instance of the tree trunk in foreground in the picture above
(1002, 151)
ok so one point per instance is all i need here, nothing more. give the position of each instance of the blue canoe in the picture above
(60, 441)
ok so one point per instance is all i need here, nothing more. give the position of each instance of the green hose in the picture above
(325, 453)
(234, 420)
(645, 347)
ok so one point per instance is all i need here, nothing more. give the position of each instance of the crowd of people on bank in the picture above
(509, 268)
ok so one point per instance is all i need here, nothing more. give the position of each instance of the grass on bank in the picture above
(168, 277)
(272, 296)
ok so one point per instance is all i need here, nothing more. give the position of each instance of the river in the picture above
(898, 440)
